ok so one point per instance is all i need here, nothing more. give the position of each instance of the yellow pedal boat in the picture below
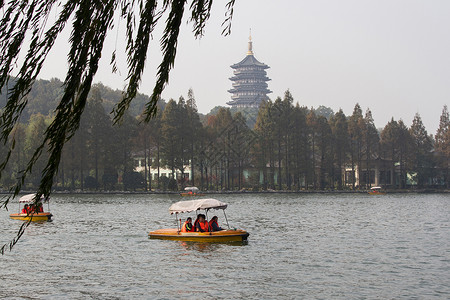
(35, 217)
(191, 191)
(227, 235)
(31, 215)
(231, 235)
(376, 190)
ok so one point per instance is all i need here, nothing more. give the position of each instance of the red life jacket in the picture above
(195, 224)
(211, 223)
(185, 229)
(24, 210)
(204, 226)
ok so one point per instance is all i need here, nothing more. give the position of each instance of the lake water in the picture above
(302, 246)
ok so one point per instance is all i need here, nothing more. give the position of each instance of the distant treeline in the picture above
(280, 145)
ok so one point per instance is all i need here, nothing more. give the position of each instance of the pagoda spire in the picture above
(250, 44)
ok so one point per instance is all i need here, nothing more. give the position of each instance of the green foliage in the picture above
(443, 145)
(164, 180)
(290, 146)
(91, 183)
(109, 179)
(133, 180)
(172, 184)
(250, 114)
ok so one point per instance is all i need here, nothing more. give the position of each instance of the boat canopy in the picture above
(191, 188)
(192, 205)
(375, 188)
(29, 198)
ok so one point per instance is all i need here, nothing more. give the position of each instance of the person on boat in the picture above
(187, 226)
(40, 208)
(196, 222)
(213, 225)
(30, 208)
(202, 225)
(25, 209)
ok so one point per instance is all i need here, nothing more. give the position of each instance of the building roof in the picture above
(249, 60)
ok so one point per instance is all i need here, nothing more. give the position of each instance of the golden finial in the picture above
(250, 46)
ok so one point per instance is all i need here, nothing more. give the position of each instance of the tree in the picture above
(123, 135)
(35, 130)
(98, 126)
(312, 123)
(356, 143)
(339, 127)
(421, 162)
(396, 143)
(218, 150)
(370, 140)
(92, 20)
(443, 143)
(261, 151)
(192, 133)
(325, 161)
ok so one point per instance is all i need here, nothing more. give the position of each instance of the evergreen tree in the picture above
(396, 143)
(312, 123)
(421, 163)
(325, 161)
(262, 152)
(339, 127)
(443, 144)
(300, 146)
(370, 141)
(192, 133)
(33, 138)
(355, 129)
(98, 126)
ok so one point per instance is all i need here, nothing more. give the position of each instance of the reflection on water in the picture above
(309, 246)
(197, 246)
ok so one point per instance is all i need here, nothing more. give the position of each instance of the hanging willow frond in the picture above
(26, 20)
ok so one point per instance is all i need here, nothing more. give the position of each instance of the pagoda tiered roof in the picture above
(249, 60)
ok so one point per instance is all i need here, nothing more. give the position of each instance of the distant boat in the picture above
(228, 235)
(191, 191)
(376, 190)
(31, 215)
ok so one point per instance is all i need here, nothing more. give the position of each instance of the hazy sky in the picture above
(392, 56)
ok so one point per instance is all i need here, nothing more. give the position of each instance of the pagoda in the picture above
(249, 81)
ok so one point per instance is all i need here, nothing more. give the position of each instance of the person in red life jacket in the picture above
(30, 209)
(25, 209)
(202, 225)
(196, 222)
(40, 208)
(214, 225)
(187, 226)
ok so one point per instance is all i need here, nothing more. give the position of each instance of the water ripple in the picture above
(311, 246)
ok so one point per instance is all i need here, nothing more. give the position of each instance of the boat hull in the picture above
(36, 217)
(213, 237)
(376, 193)
(191, 194)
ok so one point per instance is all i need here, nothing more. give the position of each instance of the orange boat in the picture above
(376, 190)
(228, 235)
(31, 216)
(191, 191)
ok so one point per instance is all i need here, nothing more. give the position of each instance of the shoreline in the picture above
(205, 193)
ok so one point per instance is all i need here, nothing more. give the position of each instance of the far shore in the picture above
(205, 193)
